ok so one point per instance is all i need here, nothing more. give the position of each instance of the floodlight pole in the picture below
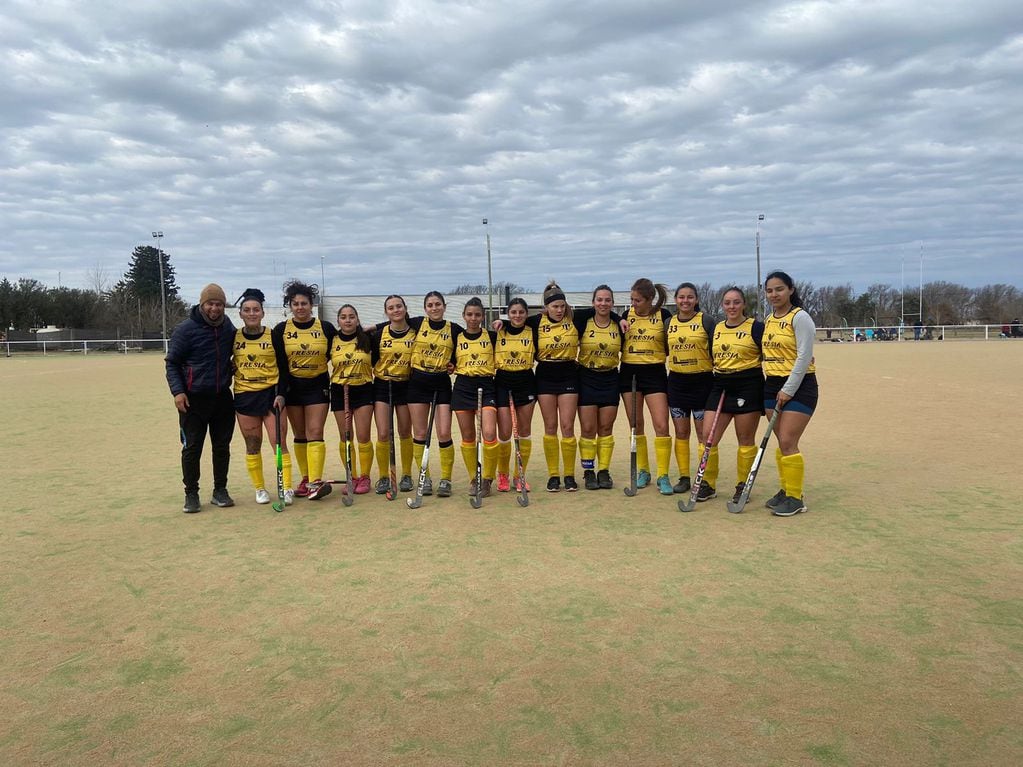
(760, 295)
(490, 277)
(158, 236)
(323, 286)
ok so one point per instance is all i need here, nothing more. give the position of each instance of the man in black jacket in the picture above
(199, 375)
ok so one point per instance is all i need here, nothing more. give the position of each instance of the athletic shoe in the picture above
(554, 485)
(604, 480)
(487, 488)
(738, 492)
(383, 485)
(570, 484)
(192, 504)
(503, 485)
(428, 486)
(518, 486)
(318, 490)
(303, 488)
(405, 484)
(590, 480)
(775, 499)
(221, 498)
(664, 485)
(444, 488)
(289, 497)
(362, 485)
(705, 493)
(472, 487)
(642, 478)
(789, 507)
(682, 486)
(262, 497)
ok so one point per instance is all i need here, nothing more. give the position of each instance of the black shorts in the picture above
(803, 401)
(255, 403)
(422, 387)
(520, 384)
(463, 393)
(744, 392)
(650, 379)
(398, 390)
(358, 396)
(688, 392)
(598, 387)
(308, 391)
(557, 378)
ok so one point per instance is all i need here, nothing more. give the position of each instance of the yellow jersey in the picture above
(255, 362)
(780, 350)
(393, 353)
(474, 356)
(433, 346)
(514, 348)
(307, 347)
(350, 364)
(600, 348)
(555, 341)
(689, 344)
(646, 338)
(737, 349)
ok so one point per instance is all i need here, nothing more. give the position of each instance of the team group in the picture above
(692, 372)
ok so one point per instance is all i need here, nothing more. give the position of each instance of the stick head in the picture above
(523, 502)
(346, 500)
(475, 502)
(736, 508)
(629, 491)
(687, 505)
(414, 503)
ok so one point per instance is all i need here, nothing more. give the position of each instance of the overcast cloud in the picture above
(603, 140)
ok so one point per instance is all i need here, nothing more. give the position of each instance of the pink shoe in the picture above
(362, 485)
(518, 487)
(503, 486)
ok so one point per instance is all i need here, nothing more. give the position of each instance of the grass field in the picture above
(883, 627)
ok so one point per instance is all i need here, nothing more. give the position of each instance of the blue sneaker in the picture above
(642, 478)
(664, 485)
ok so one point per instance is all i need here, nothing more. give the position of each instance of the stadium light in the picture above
(760, 289)
(158, 236)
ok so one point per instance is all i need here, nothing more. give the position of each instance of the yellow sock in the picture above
(469, 457)
(794, 469)
(781, 472)
(504, 451)
(526, 450)
(317, 454)
(365, 458)
(301, 451)
(341, 454)
(642, 459)
(418, 448)
(490, 455)
(568, 449)
(682, 456)
(550, 452)
(286, 469)
(744, 462)
(254, 465)
(406, 455)
(710, 474)
(384, 459)
(447, 459)
(605, 449)
(588, 453)
(662, 451)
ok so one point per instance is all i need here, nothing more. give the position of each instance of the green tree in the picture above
(142, 280)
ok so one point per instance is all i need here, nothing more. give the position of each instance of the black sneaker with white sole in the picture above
(590, 480)
(789, 507)
(570, 484)
(705, 493)
(221, 498)
(738, 492)
(554, 485)
(192, 504)
(775, 499)
(604, 481)
(318, 490)
(682, 486)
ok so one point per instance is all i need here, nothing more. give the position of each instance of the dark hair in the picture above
(602, 287)
(692, 287)
(737, 289)
(434, 293)
(252, 294)
(400, 298)
(361, 339)
(474, 301)
(648, 290)
(520, 301)
(299, 288)
(795, 298)
(553, 292)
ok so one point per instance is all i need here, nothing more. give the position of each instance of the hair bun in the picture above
(255, 293)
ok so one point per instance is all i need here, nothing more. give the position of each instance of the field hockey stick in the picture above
(690, 503)
(279, 506)
(424, 465)
(476, 499)
(633, 472)
(737, 507)
(523, 496)
(346, 455)
(392, 470)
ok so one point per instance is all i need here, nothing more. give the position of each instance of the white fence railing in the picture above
(923, 333)
(56, 346)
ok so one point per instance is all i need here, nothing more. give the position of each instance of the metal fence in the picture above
(923, 333)
(81, 346)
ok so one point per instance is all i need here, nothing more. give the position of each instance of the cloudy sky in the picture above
(603, 140)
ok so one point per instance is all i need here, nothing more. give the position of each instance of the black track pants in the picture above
(214, 412)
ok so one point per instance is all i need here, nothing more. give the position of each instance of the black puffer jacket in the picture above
(199, 356)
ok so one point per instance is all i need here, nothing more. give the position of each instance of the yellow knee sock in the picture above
(642, 459)
(365, 458)
(406, 455)
(254, 465)
(317, 455)
(504, 451)
(662, 451)
(383, 458)
(794, 469)
(682, 456)
(710, 474)
(568, 449)
(343, 457)
(588, 453)
(551, 451)
(286, 469)
(490, 454)
(744, 462)
(447, 459)
(300, 448)
(418, 448)
(605, 449)
(469, 457)
(526, 450)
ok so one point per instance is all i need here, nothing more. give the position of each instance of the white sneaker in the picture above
(262, 497)
(289, 497)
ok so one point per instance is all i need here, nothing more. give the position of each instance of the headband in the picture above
(559, 296)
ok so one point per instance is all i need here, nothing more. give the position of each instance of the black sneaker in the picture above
(604, 481)
(590, 480)
(570, 484)
(705, 493)
(221, 498)
(554, 485)
(789, 507)
(487, 488)
(383, 485)
(192, 504)
(682, 486)
(318, 490)
(443, 489)
(738, 492)
(405, 484)
(775, 499)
